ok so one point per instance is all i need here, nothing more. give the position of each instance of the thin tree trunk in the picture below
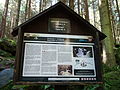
(118, 9)
(13, 23)
(78, 6)
(18, 12)
(82, 7)
(94, 12)
(4, 16)
(112, 20)
(118, 26)
(115, 19)
(106, 29)
(86, 10)
(8, 30)
(43, 4)
(71, 4)
(29, 9)
(40, 5)
(33, 8)
(26, 9)
(10, 24)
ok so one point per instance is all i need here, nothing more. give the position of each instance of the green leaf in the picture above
(20, 86)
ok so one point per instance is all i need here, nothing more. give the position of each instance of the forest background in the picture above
(102, 14)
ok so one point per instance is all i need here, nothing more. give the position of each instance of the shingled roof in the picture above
(59, 4)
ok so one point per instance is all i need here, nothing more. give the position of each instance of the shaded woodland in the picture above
(102, 14)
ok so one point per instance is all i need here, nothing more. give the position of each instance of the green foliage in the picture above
(111, 78)
(107, 69)
(11, 86)
(1, 11)
(91, 87)
(5, 54)
(8, 45)
(83, 87)
(75, 87)
(8, 86)
(6, 62)
(9, 41)
(20, 86)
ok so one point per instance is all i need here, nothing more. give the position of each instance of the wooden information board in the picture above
(56, 58)
(57, 46)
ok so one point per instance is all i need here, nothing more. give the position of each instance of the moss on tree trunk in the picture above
(106, 29)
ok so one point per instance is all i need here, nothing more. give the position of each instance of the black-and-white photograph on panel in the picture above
(82, 52)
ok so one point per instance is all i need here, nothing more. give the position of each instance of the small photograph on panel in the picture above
(77, 64)
(65, 70)
(83, 52)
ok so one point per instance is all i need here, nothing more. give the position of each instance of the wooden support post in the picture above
(97, 43)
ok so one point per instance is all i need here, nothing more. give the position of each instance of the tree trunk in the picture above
(26, 9)
(29, 9)
(118, 9)
(4, 16)
(94, 12)
(86, 10)
(106, 29)
(78, 6)
(44, 5)
(64, 1)
(82, 7)
(71, 4)
(111, 4)
(10, 24)
(18, 12)
(40, 5)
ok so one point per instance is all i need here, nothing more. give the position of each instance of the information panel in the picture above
(59, 57)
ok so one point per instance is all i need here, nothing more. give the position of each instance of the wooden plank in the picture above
(57, 83)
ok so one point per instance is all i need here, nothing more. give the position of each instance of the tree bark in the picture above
(4, 16)
(78, 6)
(106, 29)
(82, 7)
(118, 9)
(29, 9)
(93, 4)
(26, 9)
(112, 20)
(40, 5)
(71, 4)
(44, 5)
(18, 12)
(86, 10)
